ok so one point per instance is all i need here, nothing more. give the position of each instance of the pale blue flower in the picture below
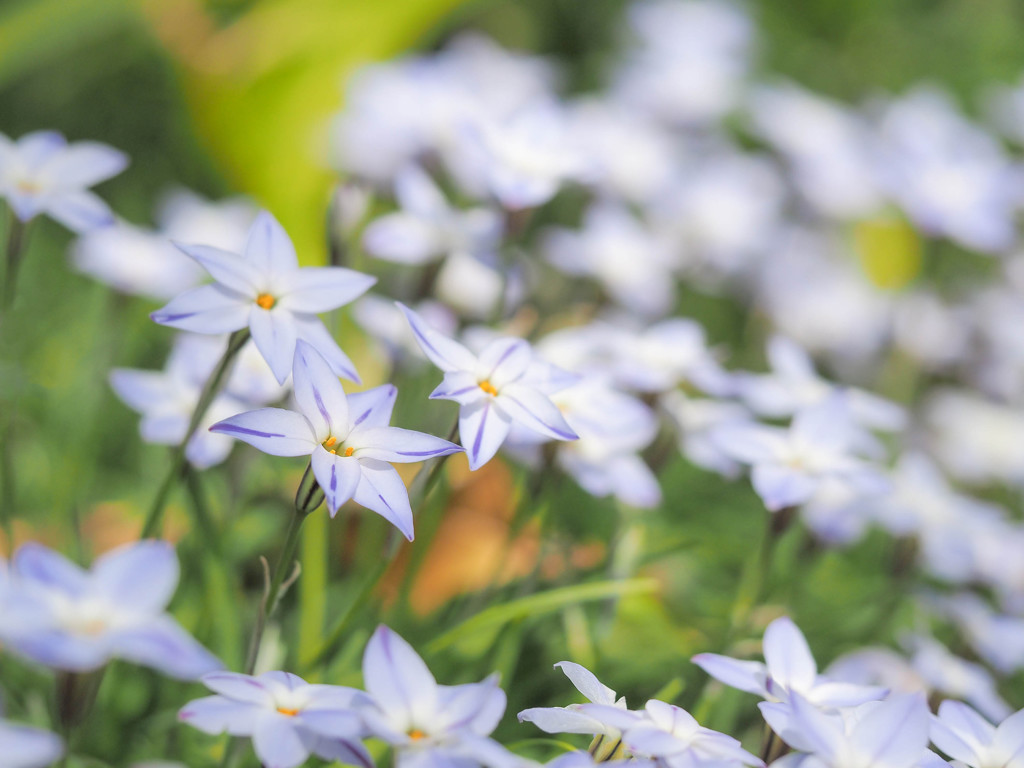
(22, 746)
(573, 718)
(265, 290)
(492, 390)
(287, 718)
(42, 173)
(83, 619)
(966, 736)
(347, 438)
(429, 724)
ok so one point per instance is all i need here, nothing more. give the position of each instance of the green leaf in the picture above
(544, 602)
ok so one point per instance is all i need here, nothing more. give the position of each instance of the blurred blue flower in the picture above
(27, 747)
(82, 619)
(287, 718)
(42, 173)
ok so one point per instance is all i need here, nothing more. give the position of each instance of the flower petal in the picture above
(780, 486)
(398, 680)
(139, 577)
(745, 675)
(417, 193)
(84, 164)
(447, 354)
(533, 409)
(271, 430)
(275, 335)
(238, 687)
(206, 309)
(310, 329)
(217, 714)
(162, 644)
(894, 733)
(402, 238)
(228, 269)
(27, 747)
(483, 427)
(372, 407)
(787, 655)
(382, 490)
(503, 361)
(319, 394)
(398, 445)
(40, 564)
(586, 682)
(460, 386)
(79, 210)
(269, 249)
(320, 289)
(141, 390)
(338, 477)
(277, 742)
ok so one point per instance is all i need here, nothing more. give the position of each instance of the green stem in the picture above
(16, 239)
(291, 543)
(177, 465)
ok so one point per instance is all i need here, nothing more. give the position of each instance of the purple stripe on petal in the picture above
(560, 432)
(157, 317)
(435, 452)
(362, 417)
(456, 393)
(480, 432)
(231, 428)
(511, 348)
(320, 406)
(423, 341)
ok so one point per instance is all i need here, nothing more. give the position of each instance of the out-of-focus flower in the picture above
(885, 734)
(789, 668)
(830, 149)
(966, 736)
(789, 465)
(27, 747)
(492, 390)
(673, 736)
(42, 173)
(952, 178)
(116, 610)
(632, 264)
(287, 718)
(525, 159)
(266, 290)
(386, 324)
(347, 438)
(426, 723)
(697, 420)
(690, 62)
(793, 385)
(998, 638)
(427, 228)
(573, 718)
(953, 676)
(166, 399)
(144, 262)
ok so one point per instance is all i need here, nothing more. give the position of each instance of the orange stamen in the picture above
(487, 387)
(349, 450)
(266, 301)
(330, 441)
(416, 734)
(288, 711)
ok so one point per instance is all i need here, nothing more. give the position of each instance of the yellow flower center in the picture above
(266, 301)
(487, 387)
(332, 441)
(27, 186)
(416, 734)
(288, 711)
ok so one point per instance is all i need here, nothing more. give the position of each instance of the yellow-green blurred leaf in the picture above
(263, 89)
(889, 250)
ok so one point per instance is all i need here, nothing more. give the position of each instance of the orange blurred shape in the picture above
(474, 547)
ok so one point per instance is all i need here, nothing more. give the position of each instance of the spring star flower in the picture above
(347, 439)
(42, 173)
(115, 610)
(266, 290)
(966, 736)
(573, 718)
(429, 724)
(789, 667)
(27, 747)
(491, 390)
(286, 717)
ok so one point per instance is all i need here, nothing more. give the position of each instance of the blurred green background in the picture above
(228, 97)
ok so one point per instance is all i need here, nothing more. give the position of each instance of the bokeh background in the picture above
(229, 97)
